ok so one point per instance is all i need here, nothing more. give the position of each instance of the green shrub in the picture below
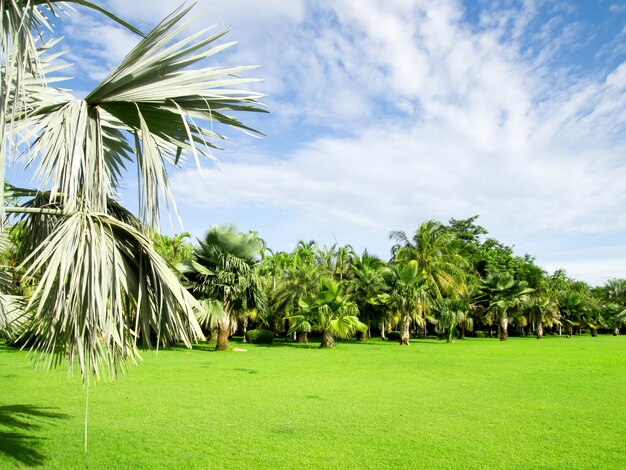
(480, 334)
(394, 336)
(260, 336)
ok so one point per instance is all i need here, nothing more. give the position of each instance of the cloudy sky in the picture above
(384, 113)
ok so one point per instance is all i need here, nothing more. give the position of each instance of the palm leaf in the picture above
(101, 285)
(80, 146)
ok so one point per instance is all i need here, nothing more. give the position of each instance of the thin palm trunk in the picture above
(382, 330)
(245, 328)
(404, 338)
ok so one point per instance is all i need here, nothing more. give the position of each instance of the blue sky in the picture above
(384, 113)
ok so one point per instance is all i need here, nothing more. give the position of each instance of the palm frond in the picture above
(101, 286)
(80, 146)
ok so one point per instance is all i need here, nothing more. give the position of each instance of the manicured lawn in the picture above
(478, 403)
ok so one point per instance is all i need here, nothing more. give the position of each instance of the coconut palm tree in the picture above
(92, 267)
(433, 251)
(224, 272)
(366, 281)
(174, 249)
(301, 281)
(329, 313)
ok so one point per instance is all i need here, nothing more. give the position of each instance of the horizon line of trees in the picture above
(447, 280)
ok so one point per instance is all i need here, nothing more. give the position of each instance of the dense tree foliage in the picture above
(448, 280)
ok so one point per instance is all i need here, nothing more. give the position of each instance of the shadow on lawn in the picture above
(18, 431)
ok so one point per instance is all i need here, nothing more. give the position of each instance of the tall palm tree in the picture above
(224, 272)
(366, 281)
(92, 267)
(433, 251)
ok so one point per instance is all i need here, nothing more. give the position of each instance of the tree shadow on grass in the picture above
(18, 431)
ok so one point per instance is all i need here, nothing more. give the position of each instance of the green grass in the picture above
(478, 403)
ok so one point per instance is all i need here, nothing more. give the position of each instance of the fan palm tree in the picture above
(93, 268)
(503, 293)
(543, 310)
(224, 272)
(451, 313)
(408, 296)
(329, 313)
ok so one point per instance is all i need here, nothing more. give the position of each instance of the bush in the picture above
(394, 336)
(260, 336)
(480, 334)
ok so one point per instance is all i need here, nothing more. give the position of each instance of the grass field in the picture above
(477, 403)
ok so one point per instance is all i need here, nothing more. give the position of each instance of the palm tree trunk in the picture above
(245, 328)
(223, 329)
(539, 330)
(327, 340)
(404, 338)
(462, 332)
(504, 327)
(303, 337)
(382, 330)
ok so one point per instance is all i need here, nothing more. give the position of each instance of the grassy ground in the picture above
(478, 403)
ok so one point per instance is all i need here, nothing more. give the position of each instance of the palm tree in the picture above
(408, 296)
(92, 267)
(224, 271)
(365, 283)
(543, 310)
(433, 251)
(301, 281)
(451, 313)
(329, 313)
(503, 293)
(344, 258)
(174, 249)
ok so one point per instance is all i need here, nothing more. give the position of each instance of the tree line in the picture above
(448, 280)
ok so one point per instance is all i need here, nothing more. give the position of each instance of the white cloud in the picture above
(426, 115)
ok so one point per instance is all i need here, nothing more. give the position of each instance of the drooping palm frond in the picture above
(101, 286)
(165, 109)
(21, 22)
(12, 314)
